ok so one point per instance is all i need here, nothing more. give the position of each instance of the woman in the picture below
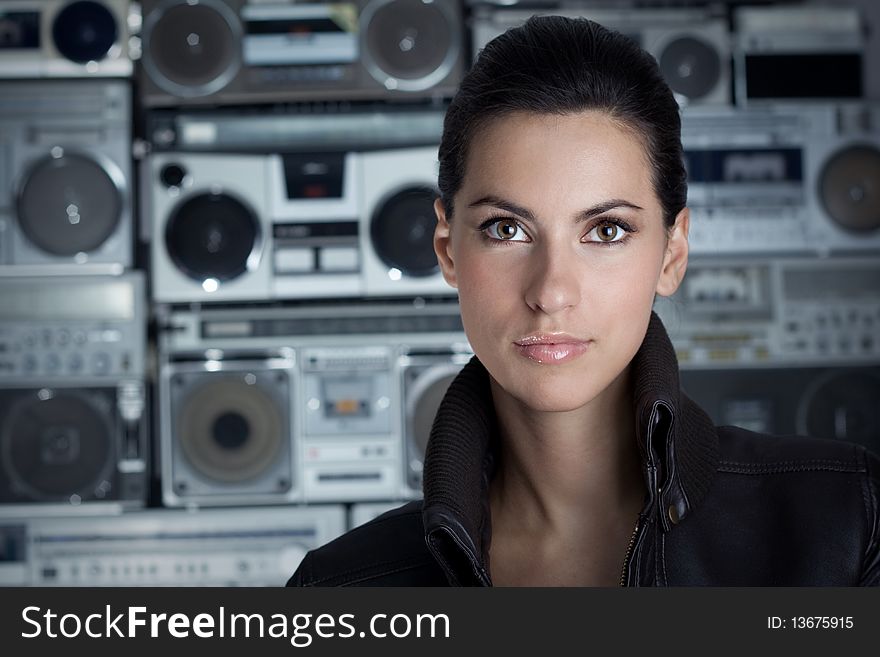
(565, 453)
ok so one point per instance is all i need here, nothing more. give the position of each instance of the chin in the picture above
(557, 394)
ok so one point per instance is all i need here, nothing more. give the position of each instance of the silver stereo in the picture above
(761, 313)
(65, 38)
(168, 547)
(798, 52)
(692, 46)
(425, 377)
(65, 176)
(73, 425)
(219, 52)
(784, 346)
(293, 226)
(787, 179)
(343, 412)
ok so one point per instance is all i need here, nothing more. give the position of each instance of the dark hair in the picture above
(558, 65)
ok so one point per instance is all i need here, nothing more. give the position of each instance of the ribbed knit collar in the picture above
(671, 430)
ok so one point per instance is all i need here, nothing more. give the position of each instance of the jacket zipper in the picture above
(629, 550)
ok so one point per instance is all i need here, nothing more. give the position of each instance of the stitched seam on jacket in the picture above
(385, 572)
(870, 511)
(410, 563)
(777, 467)
(663, 559)
(868, 515)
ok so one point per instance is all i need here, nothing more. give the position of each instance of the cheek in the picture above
(485, 290)
(629, 282)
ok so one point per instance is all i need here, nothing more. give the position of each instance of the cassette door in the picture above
(350, 436)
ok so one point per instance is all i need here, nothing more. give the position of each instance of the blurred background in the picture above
(223, 333)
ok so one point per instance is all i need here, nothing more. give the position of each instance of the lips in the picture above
(551, 348)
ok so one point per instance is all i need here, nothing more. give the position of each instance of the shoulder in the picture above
(824, 492)
(783, 510)
(748, 452)
(389, 550)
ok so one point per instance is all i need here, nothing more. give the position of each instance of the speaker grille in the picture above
(230, 429)
(402, 231)
(192, 49)
(84, 31)
(410, 44)
(58, 444)
(849, 188)
(212, 236)
(69, 204)
(691, 66)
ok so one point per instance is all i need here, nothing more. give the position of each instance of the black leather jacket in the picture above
(726, 506)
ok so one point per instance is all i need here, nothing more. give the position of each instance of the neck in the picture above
(557, 468)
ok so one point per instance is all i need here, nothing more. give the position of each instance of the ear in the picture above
(675, 259)
(443, 244)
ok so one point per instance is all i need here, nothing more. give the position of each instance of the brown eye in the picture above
(607, 231)
(506, 229)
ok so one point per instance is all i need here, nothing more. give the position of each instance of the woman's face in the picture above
(557, 248)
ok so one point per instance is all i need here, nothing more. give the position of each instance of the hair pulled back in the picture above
(559, 65)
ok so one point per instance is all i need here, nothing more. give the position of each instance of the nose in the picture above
(554, 282)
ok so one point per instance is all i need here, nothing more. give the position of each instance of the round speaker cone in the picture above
(58, 445)
(212, 236)
(229, 430)
(849, 187)
(844, 406)
(194, 47)
(69, 204)
(691, 66)
(84, 31)
(409, 39)
(402, 231)
(425, 409)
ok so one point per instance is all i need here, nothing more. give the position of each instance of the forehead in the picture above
(547, 153)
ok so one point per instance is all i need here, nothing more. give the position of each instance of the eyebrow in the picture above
(525, 213)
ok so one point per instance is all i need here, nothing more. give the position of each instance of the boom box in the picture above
(788, 312)
(783, 180)
(166, 547)
(294, 226)
(691, 45)
(73, 426)
(332, 422)
(65, 176)
(220, 52)
(782, 346)
(64, 38)
(798, 53)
